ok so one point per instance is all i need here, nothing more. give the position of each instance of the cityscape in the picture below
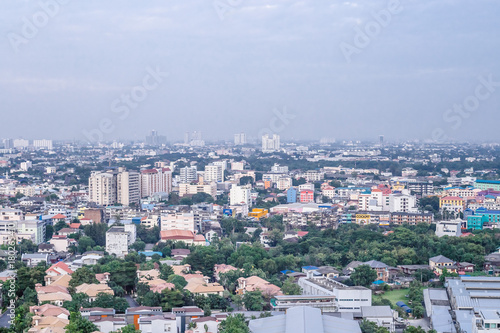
(249, 166)
(194, 236)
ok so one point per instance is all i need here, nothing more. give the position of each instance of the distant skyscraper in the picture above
(156, 140)
(186, 138)
(270, 144)
(240, 139)
(42, 144)
(381, 140)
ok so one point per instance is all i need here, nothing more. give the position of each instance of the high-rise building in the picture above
(240, 139)
(21, 143)
(157, 180)
(102, 188)
(240, 195)
(128, 188)
(42, 144)
(114, 186)
(188, 174)
(270, 144)
(213, 173)
(156, 140)
(381, 140)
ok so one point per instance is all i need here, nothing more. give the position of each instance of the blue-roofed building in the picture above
(487, 184)
(306, 269)
(482, 217)
(291, 195)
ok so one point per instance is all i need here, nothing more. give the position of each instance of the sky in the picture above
(92, 70)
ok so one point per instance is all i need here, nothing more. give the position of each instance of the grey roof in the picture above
(441, 319)
(375, 264)
(303, 319)
(465, 319)
(376, 311)
(440, 259)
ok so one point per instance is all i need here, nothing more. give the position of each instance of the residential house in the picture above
(92, 290)
(199, 286)
(56, 295)
(222, 268)
(33, 259)
(253, 283)
(49, 310)
(59, 268)
(165, 322)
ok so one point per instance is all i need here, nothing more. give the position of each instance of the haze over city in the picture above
(65, 68)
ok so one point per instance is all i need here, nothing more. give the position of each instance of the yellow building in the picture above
(258, 213)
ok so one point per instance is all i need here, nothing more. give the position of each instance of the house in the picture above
(132, 315)
(46, 248)
(33, 259)
(68, 231)
(56, 295)
(222, 268)
(180, 253)
(92, 290)
(158, 285)
(439, 262)
(328, 272)
(48, 324)
(59, 268)
(199, 286)
(60, 280)
(206, 324)
(253, 283)
(382, 269)
(186, 236)
(165, 322)
(492, 263)
(49, 310)
(108, 324)
(103, 277)
(61, 243)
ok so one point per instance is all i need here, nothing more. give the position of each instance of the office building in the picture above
(156, 140)
(240, 139)
(188, 174)
(158, 180)
(240, 195)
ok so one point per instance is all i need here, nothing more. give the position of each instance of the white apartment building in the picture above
(50, 170)
(128, 187)
(269, 144)
(240, 139)
(240, 195)
(21, 143)
(9, 214)
(186, 189)
(25, 166)
(188, 174)
(156, 181)
(213, 173)
(306, 186)
(42, 144)
(32, 227)
(449, 228)
(276, 168)
(102, 188)
(284, 183)
(273, 177)
(178, 221)
(402, 203)
(118, 239)
(349, 299)
(237, 166)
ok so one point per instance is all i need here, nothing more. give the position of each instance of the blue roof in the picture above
(309, 268)
(150, 253)
(488, 181)
(286, 271)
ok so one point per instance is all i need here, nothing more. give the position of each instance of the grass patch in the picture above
(394, 296)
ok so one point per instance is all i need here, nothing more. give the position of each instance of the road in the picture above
(131, 302)
(4, 319)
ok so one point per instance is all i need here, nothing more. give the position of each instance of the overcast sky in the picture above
(230, 63)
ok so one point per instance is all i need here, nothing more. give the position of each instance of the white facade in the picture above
(25, 166)
(186, 189)
(188, 174)
(178, 221)
(239, 195)
(128, 187)
(284, 183)
(240, 139)
(213, 173)
(119, 238)
(402, 203)
(449, 228)
(102, 188)
(156, 181)
(42, 144)
(270, 144)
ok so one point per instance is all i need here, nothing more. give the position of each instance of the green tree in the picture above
(49, 232)
(178, 281)
(253, 300)
(59, 225)
(166, 271)
(77, 324)
(82, 275)
(363, 275)
(371, 327)
(127, 329)
(290, 287)
(85, 243)
(203, 259)
(138, 245)
(96, 231)
(234, 324)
